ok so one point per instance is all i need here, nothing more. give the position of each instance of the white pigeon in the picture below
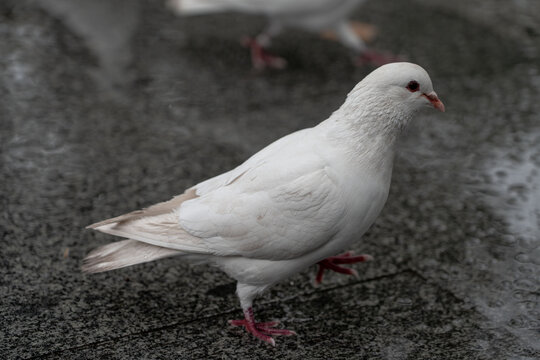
(310, 15)
(297, 202)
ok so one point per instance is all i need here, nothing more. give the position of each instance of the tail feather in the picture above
(161, 230)
(124, 253)
(156, 209)
(153, 233)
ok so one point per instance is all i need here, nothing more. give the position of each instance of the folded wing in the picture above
(271, 217)
(262, 209)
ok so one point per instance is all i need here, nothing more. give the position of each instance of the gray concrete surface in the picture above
(108, 106)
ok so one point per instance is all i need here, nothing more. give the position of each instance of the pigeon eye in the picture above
(413, 86)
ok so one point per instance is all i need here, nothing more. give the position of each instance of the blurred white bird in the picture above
(297, 202)
(311, 15)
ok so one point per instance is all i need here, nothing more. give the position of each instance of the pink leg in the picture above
(372, 57)
(261, 330)
(333, 262)
(261, 58)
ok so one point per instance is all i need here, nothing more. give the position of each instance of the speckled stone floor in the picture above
(111, 105)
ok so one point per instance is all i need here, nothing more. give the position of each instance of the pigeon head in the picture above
(386, 100)
(404, 85)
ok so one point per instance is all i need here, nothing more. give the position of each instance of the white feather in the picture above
(124, 253)
(267, 7)
(310, 15)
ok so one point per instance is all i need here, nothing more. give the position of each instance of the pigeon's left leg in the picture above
(350, 39)
(260, 57)
(261, 330)
(333, 262)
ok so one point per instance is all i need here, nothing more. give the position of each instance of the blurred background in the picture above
(111, 105)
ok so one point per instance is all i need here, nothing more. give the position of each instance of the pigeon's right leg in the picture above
(261, 330)
(260, 57)
(332, 263)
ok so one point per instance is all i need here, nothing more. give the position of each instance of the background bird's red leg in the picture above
(261, 58)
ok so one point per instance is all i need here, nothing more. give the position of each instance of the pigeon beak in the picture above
(434, 100)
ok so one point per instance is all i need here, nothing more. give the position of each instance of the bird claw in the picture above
(242, 322)
(332, 263)
(261, 58)
(261, 330)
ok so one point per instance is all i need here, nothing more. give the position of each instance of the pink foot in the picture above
(372, 57)
(262, 59)
(332, 263)
(261, 330)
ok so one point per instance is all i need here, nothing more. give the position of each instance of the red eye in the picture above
(413, 86)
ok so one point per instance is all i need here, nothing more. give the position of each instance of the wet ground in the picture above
(111, 105)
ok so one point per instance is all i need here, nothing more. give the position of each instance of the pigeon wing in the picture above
(281, 203)
(268, 212)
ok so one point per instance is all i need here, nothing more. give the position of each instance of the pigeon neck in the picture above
(371, 116)
(368, 126)
(374, 112)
